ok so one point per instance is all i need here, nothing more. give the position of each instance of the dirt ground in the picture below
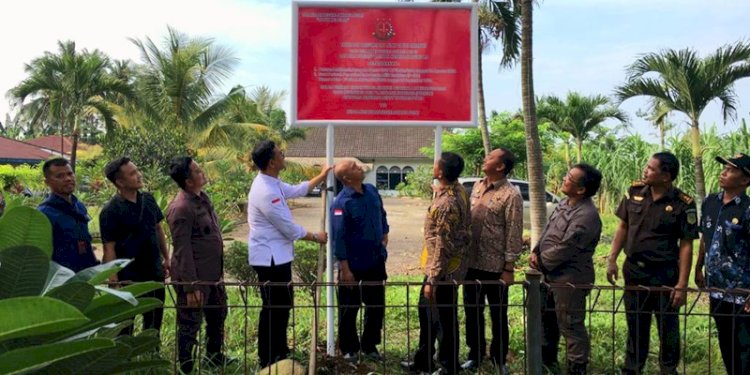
(405, 217)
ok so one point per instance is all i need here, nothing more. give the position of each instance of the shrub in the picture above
(417, 183)
(236, 263)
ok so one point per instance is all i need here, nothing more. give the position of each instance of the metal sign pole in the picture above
(330, 184)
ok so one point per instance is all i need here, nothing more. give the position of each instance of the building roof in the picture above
(365, 142)
(52, 142)
(13, 151)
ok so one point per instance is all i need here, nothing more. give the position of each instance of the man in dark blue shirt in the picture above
(70, 231)
(725, 250)
(359, 237)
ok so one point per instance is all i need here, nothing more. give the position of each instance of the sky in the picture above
(579, 45)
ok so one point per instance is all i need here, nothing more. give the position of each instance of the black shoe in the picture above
(218, 360)
(470, 365)
(351, 357)
(412, 366)
(374, 355)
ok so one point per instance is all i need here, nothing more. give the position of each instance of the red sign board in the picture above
(385, 64)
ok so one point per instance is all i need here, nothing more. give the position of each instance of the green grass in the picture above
(401, 332)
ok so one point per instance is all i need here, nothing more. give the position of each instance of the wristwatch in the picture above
(315, 237)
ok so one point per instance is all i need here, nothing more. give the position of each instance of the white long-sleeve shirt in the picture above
(272, 228)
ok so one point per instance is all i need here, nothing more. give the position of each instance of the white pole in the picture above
(438, 151)
(438, 142)
(330, 183)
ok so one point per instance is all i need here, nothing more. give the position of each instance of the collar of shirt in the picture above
(736, 200)
(73, 208)
(449, 189)
(348, 191)
(494, 185)
(270, 181)
(670, 194)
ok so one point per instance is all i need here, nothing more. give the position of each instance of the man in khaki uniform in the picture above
(564, 254)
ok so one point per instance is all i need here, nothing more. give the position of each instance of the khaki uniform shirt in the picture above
(447, 233)
(196, 238)
(496, 224)
(566, 248)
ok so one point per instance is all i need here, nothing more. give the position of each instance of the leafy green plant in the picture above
(236, 263)
(57, 321)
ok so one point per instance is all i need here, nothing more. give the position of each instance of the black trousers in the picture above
(153, 318)
(564, 312)
(733, 328)
(189, 321)
(497, 297)
(438, 319)
(274, 315)
(350, 299)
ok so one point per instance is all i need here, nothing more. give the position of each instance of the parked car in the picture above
(523, 187)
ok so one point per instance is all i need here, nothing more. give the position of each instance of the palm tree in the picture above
(497, 20)
(177, 86)
(71, 85)
(580, 115)
(534, 164)
(687, 83)
(658, 115)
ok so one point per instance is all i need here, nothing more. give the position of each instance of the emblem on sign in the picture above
(383, 30)
(668, 209)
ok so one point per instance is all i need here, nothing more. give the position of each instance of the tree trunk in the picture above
(533, 144)
(700, 181)
(662, 135)
(480, 108)
(74, 147)
(567, 152)
(579, 149)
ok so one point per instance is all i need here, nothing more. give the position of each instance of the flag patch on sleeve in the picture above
(338, 212)
(277, 200)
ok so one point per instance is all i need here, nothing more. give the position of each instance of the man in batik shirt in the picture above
(447, 234)
(725, 247)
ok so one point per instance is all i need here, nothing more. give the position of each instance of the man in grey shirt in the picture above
(564, 254)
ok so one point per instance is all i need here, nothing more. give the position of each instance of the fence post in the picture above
(533, 322)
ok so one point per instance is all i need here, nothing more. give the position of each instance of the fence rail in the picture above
(605, 321)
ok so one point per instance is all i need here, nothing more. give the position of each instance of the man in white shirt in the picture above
(271, 245)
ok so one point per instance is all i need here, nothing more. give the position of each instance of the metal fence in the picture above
(605, 322)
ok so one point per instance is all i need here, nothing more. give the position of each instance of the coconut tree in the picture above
(534, 164)
(71, 85)
(498, 20)
(178, 85)
(580, 115)
(687, 83)
(658, 115)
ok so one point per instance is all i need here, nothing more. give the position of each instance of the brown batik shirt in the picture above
(496, 224)
(447, 233)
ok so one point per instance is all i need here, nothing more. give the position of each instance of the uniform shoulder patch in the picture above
(637, 183)
(686, 198)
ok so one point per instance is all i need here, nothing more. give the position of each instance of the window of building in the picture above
(381, 177)
(394, 177)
